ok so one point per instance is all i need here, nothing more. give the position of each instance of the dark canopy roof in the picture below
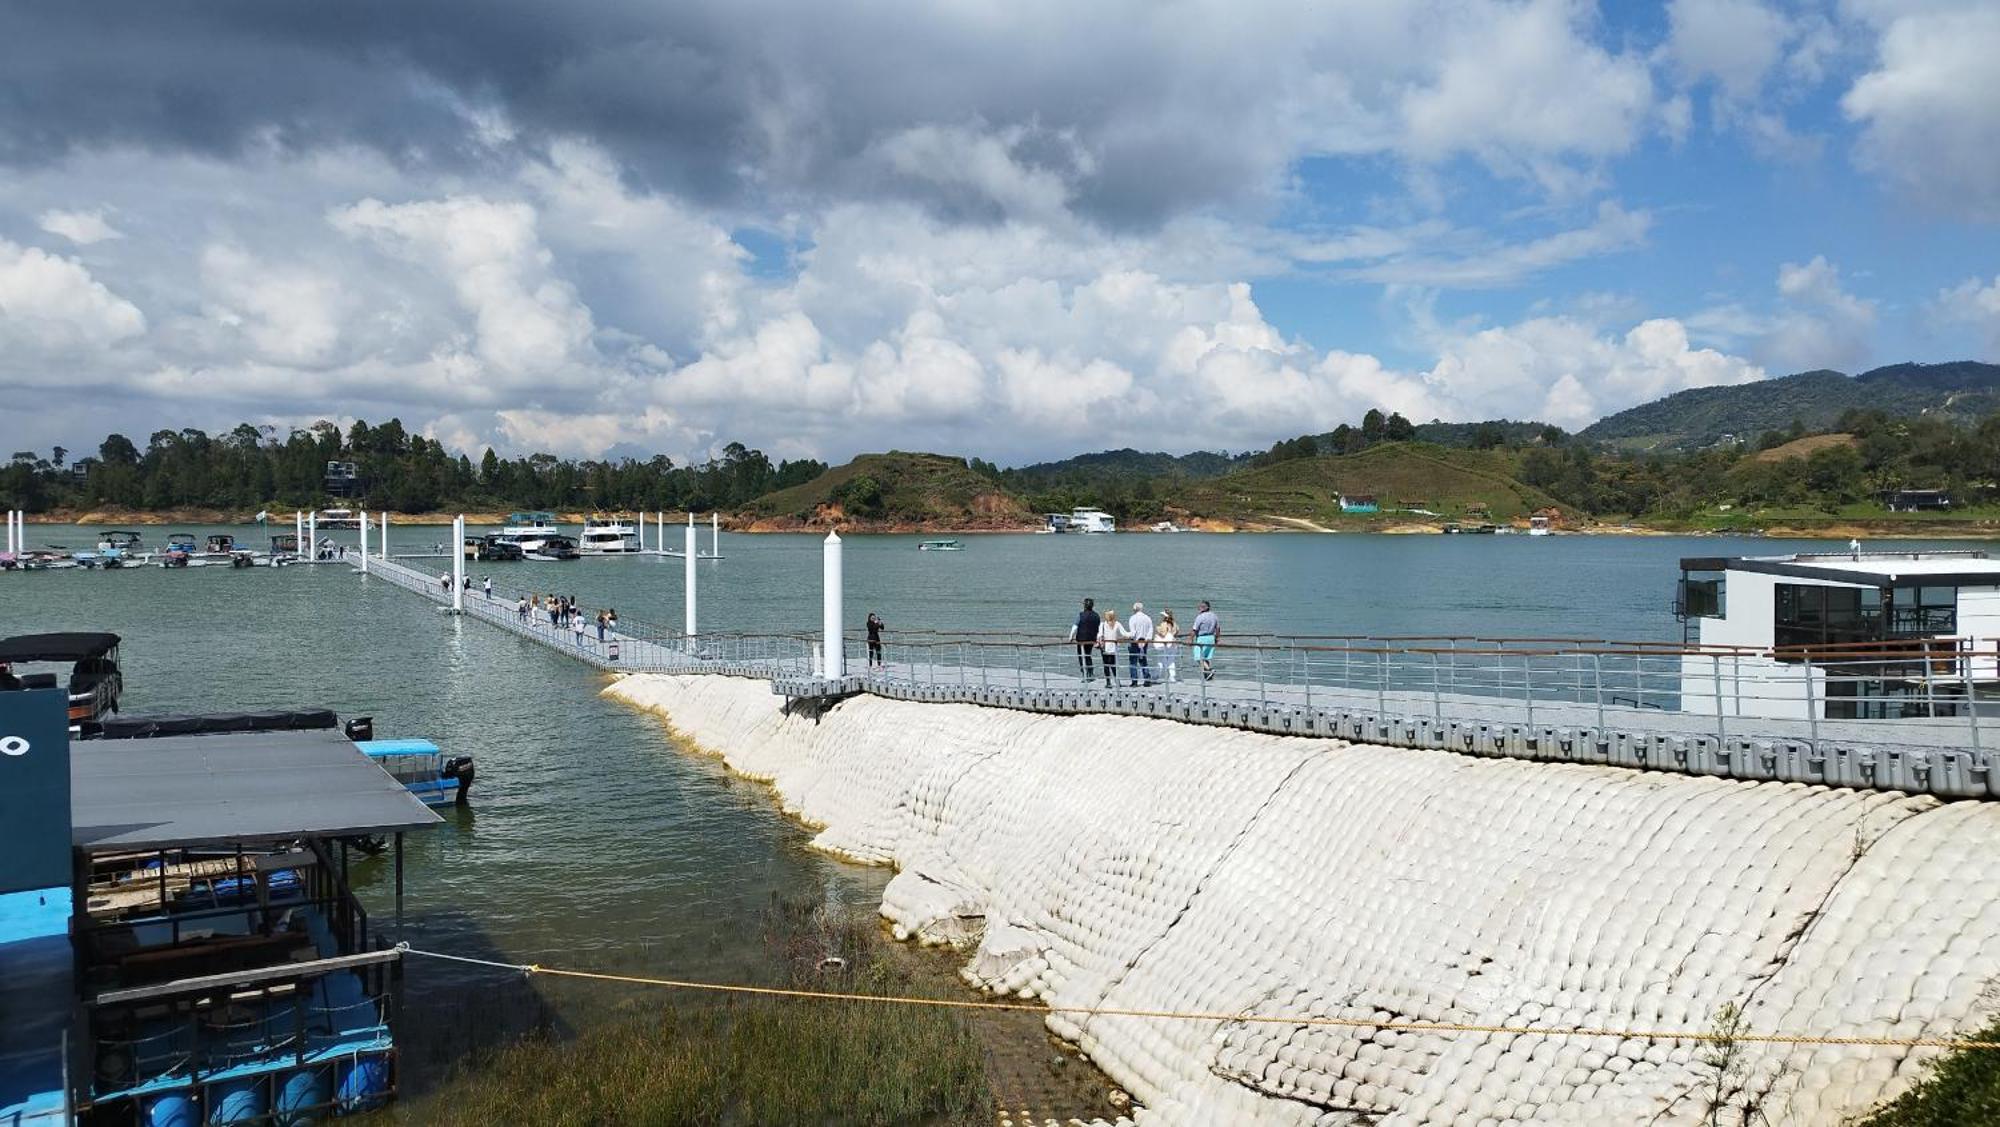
(239, 786)
(56, 647)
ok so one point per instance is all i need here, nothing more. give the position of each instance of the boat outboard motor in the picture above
(460, 767)
(361, 729)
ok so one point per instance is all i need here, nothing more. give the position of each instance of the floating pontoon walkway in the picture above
(1575, 706)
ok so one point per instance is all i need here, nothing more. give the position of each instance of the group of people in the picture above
(1099, 637)
(563, 612)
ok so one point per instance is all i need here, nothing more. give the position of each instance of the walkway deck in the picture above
(1941, 757)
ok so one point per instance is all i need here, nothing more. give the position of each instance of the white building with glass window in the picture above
(1852, 635)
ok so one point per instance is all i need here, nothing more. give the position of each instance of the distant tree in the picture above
(1486, 436)
(1552, 436)
(860, 496)
(1372, 426)
(61, 455)
(1343, 439)
(1398, 429)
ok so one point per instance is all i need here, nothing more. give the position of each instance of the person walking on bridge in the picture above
(487, 583)
(1207, 631)
(875, 642)
(576, 627)
(1166, 640)
(1137, 667)
(1084, 633)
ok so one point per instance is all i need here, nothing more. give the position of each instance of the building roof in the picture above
(239, 786)
(56, 647)
(1873, 569)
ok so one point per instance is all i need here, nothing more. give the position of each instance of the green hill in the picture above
(1399, 475)
(1964, 390)
(1128, 464)
(896, 489)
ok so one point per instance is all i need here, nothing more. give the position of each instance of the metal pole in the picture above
(832, 580)
(1721, 730)
(1812, 708)
(299, 534)
(458, 564)
(364, 541)
(688, 595)
(385, 534)
(1597, 674)
(312, 535)
(642, 532)
(715, 535)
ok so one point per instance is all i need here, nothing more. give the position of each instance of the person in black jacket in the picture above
(1084, 634)
(875, 641)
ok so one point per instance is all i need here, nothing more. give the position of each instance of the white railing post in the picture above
(831, 615)
(458, 564)
(715, 535)
(642, 532)
(364, 541)
(312, 535)
(384, 549)
(690, 572)
(299, 535)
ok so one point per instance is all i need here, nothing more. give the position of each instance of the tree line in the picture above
(253, 467)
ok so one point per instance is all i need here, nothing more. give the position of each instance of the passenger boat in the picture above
(608, 536)
(940, 546)
(1055, 522)
(434, 777)
(528, 530)
(1538, 525)
(95, 680)
(1091, 520)
(491, 548)
(339, 519)
(180, 550)
(553, 547)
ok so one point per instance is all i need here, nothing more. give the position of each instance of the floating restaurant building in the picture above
(179, 944)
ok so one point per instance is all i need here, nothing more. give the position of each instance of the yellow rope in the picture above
(1262, 1019)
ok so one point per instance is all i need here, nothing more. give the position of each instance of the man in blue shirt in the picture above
(1207, 630)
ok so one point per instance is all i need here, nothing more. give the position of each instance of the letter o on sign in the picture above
(13, 745)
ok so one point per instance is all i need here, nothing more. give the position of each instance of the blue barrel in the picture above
(171, 1109)
(302, 1095)
(362, 1083)
(237, 1101)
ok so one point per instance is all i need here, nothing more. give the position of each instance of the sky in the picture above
(1013, 230)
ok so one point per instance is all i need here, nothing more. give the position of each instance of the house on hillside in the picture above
(1915, 500)
(1359, 503)
(343, 479)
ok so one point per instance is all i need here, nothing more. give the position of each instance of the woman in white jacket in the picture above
(1109, 636)
(1164, 637)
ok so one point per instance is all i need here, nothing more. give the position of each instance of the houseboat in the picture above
(940, 546)
(527, 531)
(339, 519)
(1846, 636)
(1538, 525)
(1055, 522)
(174, 959)
(491, 548)
(608, 536)
(1091, 520)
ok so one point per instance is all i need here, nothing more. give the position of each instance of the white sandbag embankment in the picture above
(1144, 864)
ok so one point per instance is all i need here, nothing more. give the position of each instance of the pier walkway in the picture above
(1577, 701)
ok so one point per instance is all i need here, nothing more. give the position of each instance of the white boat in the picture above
(1057, 522)
(608, 536)
(527, 531)
(1538, 525)
(339, 519)
(1092, 520)
(940, 546)
(1168, 526)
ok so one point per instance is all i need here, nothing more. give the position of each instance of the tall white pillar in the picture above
(299, 534)
(830, 622)
(458, 563)
(715, 535)
(364, 541)
(385, 534)
(312, 535)
(689, 564)
(642, 532)
(13, 543)
(661, 530)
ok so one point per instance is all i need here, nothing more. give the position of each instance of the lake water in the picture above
(591, 841)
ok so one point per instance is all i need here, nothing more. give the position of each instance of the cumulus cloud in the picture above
(1734, 43)
(1929, 110)
(1975, 303)
(52, 310)
(80, 227)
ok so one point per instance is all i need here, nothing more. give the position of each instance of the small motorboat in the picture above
(95, 679)
(554, 547)
(940, 546)
(426, 772)
(180, 550)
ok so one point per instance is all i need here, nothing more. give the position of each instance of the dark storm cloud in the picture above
(741, 102)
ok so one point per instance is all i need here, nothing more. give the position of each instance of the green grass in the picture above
(1963, 1088)
(758, 1062)
(1446, 481)
(912, 487)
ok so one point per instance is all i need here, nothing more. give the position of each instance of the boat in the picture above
(1091, 520)
(1167, 526)
(124, 542)
(940, 546)
(528, 530)
(608, 536)
(491, 548)
(95, 681)
(436, 779)
(1538, 525)
(553, 547)
(185, 946)
(339, 519)
(1055, 522)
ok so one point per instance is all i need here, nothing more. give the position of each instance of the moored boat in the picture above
(436, 779)
(553, 547)
(940, 546)
(608, 536)
(527, 531)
